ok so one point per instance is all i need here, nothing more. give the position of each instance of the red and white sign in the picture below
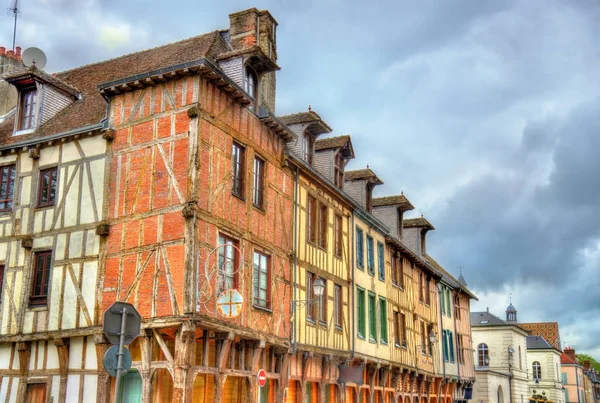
(262, 378)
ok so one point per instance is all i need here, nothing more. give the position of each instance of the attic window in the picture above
(339, 170)
(308, 147)
(251, 84)
(484, 322)
(27, 109)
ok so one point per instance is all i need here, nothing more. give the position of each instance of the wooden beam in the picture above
(163, 346)
(224, 346)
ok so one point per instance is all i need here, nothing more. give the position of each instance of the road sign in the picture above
(229, 303)
(113, 319)
(262, 378)
(111, 358)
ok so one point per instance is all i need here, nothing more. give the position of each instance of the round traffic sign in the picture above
(111, 359)
(262, 377)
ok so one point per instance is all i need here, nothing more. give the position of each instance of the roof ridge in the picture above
(215, 32)
(332, 137)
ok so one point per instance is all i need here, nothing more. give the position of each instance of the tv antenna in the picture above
(16, 13)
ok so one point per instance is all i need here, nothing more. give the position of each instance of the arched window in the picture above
(251, 83)
(537, 370)
(483, 355)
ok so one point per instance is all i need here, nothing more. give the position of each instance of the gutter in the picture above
(39, 140)
(295, 290)
(442, 344)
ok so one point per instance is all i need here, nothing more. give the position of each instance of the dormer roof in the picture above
(419, 222)
(362, 174)
(23, 77)
(399, 200)
(333, 143)
(314, 124)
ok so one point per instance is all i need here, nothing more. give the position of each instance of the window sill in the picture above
(37, 307)
(382, 279)
(337, 256)
(237, 196)
(43, 206)
(263, 308)
(310, 322)
(372, 340)
(384, 343)
(360, 336)
(259, 209)
(338, 328)
(22, 132)
(322, 323)
(360, 268)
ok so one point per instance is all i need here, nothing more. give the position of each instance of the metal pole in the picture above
(15, 29)
(120, 354)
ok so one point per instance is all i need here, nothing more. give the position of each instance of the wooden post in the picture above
(219, 386)
(283, 369)
(146, 371)
(104, 380)
(24, 350)
(63, 365)
(185, 344)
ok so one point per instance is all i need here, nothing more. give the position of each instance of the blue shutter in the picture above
(451, 343)
(359, 248)
(445, 345)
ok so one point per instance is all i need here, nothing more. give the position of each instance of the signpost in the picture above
(262, 381)
(122, 324)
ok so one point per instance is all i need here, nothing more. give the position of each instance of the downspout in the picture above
(441, 343)
(510, 377)
(295, 290)
(456, 336)
(577, 384)
(352, 285)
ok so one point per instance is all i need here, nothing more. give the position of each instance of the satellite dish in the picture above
(34, 57)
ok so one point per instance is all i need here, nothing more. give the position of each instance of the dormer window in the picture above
(27, 109)
(251, 84)
(308, 147)
(339, 170)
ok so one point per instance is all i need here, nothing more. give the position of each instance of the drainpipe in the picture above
(456, 336)
(441, 341)
(295, 298)
(510, 377)
(352, 285)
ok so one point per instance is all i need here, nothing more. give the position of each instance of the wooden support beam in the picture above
(24, 351)
(185, 343)
(256, 354)
(62, 348)
(224, 342)
(145, 340)
(163, 346)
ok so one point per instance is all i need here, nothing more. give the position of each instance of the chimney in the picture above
(2, 50)
(586, 365)
(9, 63)
(10, 54)
(252, 33)
(570, 351)
(18, 53)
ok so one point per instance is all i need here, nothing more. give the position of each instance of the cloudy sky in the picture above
(485, 113)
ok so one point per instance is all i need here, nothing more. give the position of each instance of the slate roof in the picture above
(448, 277)
(548, 330)
(91, 108)
(398, 200)
(538, 343)
(361, 174)
(306, 117)
(417, 223)
(492, 320)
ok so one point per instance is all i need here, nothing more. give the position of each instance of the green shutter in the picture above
(448, 304)
(443, 300)
(372, 318)
(445, 345)
(360, 300)
(451, 342)
(383, 320)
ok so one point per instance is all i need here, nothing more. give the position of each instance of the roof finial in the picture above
(309, 108)
(367, 166)
(402, 192)
(487, 308)
(510, 298)
(421, 215)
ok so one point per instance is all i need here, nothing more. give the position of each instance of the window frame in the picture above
(308, 147)
(43, 258)
(11, 176)
(421, 291)
(251, 85)
(423, 338)
(427, 285)
(311, 219)
(257, 275)
(238, 165)
(222, 277)
(383, 325)
(311, 308)
(338, 306)
(323, 304)
(483, 351)
(338, 170)
(53, 177)
(536, 370)
(339, 235)
(381, 261)
(360, 248)
(370, 255)
(258, 182)
(31, 110)
(323, 223)
(1, 280)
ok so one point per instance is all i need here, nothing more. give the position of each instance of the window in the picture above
(41, 277)
(380, 261)
(423, 339)
(448, 305)
(398, 270)
(443, 300)
(564, 378)
(458, 317)
(7, 187)
(311, 309)
(460, 347)
(339, 236)
(445, 346)
(131, 387)
(323, 304)
(537, 370)
(483, 357)
(323, 226)
(47, 189)
(262, 280)
(370, 256)
(1, 280)
(259, 185)
(360, 249)
(372, 318)
(403, 338)
(423, 242)
(383, 320)
(228, 263)
(450, 344)
(238, 160)
(250, 85)
(28, 107)
(339, 170)
(427, 291)
(520, 361)
(360, 307)
(308, 147)
(397, 335)
(338, 306)
(421, 287)
(311, 219)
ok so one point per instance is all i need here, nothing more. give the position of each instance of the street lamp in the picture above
(432, 340)
(318, 289)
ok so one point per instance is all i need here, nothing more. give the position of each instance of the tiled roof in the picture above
(566, 359)
(91, 108)
(548, 330)
(361, 174)
(538, 343)
(306, 117)
(332, 142)
(417, 222)
(42, 76)
(399, 200)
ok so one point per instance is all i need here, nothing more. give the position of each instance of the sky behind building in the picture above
(486, 115)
